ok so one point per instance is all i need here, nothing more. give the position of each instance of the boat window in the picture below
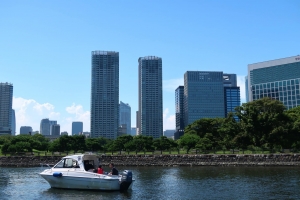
(60, 164)
(68, 163)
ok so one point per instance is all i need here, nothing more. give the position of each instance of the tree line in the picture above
(264, 123)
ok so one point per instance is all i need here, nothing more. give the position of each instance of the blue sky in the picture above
(45, 48)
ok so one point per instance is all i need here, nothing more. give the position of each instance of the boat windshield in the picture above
(67, 163)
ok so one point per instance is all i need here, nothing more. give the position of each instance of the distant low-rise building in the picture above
(169, 133)
(25, 130)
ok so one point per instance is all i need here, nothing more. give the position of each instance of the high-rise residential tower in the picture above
(150, 97)
(6, 94)
(77, 128)
(105, 94)
(203, 95)
(277, 79)
(125, 116)
(179, 109)
(45, 127)
(51, 123)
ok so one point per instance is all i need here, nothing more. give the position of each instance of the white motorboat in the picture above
(75, 172)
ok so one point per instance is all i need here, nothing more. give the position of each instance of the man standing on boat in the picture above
(113, 171)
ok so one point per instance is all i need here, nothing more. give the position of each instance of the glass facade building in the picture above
(105, 94)
(179, 109)
(45, 127)
(77, 128)
(125, 116)
(25, 130)
(277, 79)
(232, 97)
(150, 113)
(6, 94)
(203, 95)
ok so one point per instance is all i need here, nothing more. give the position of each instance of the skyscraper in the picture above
(232, 97)
(179, 109)
(77, 128)
(55, 130)
(277, 79)
(203, 95)
(125, 116)
(45, 127)
(105, 94)
(6, 94)
(51, 123)
(150, 97)
(13, 122)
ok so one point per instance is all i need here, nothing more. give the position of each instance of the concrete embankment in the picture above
(166, 160)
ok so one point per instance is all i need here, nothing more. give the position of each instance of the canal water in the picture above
(166, 183)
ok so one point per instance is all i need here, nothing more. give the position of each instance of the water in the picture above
(167, 183)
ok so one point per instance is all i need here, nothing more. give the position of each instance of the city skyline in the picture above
(46, 48)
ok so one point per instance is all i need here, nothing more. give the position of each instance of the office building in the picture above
(150, 97)
(45, 127)
(105, 94)
(179, 109)
(6, 94)
(55, 130)
(203, 95)
(125, 116)
(169, 133)
(13, 122)
(246, 89)
(51, 123)
(64, 133)
(26, 130)
(232, 98)
(77, 128)
(277, 79)
(133, 131)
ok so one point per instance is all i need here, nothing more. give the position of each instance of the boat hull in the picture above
(96, 182)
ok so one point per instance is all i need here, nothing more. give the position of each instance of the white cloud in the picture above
(30, 112)
(241, 84)
(172, 84)
(168, 120)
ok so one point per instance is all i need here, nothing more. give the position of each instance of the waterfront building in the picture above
(150, 97)
(13, 122)
(169, 133)
(179, 109)
(25, 130)
(64, 133)
(55, 130)
(51, 123)
(6, 94)
(137, 122)
(105, 94)
(125, 116)
(203, 95)
(232, 97)
(122, 130)
(45, 127)
(133, 131)
(246, 89)
(77, 128)
(277, 79)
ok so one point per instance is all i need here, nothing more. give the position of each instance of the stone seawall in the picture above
(166, 160)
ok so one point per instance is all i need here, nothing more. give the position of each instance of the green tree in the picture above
(162, 143)
(189, 141)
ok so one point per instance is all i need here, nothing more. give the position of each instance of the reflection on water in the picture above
(167, 183)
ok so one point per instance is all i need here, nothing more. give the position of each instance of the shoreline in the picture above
(166, 160)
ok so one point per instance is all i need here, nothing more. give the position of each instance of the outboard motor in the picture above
(126, 180)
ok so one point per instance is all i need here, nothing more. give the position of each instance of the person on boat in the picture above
(100, 170)
(113, 171)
